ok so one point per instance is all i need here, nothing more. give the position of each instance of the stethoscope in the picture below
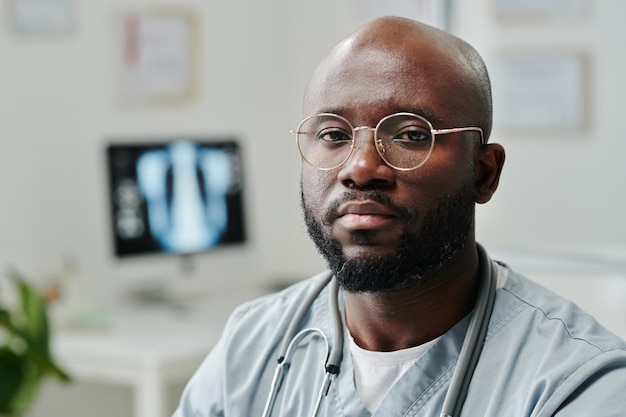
(468, 358)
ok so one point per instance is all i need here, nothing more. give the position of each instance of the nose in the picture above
(365, 167)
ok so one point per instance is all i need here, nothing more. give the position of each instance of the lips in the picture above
(359, 215)
(364, 208)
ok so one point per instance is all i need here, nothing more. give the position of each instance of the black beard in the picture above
(417, 257)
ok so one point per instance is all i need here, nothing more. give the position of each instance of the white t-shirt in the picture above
(376, 372)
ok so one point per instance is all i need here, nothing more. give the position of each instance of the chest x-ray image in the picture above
(181, 197)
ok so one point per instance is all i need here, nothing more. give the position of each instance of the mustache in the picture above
(331, 213)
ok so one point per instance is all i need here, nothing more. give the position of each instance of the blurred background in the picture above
(77, 77)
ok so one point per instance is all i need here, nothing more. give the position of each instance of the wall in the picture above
(560, 191)
(60, 105)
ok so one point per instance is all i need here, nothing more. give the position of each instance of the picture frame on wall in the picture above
(534, 10)
(42, 16)
(541, 91)
(159, 55)
(433, 12)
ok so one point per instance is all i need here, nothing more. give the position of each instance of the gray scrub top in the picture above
(543, 356)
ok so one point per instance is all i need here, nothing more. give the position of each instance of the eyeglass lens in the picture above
(403, 141)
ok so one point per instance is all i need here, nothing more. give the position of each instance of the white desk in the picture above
(145, 348)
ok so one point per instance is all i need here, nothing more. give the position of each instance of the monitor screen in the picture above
(178, 196)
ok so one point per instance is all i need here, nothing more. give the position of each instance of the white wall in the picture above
(59, 104)
(564, 192)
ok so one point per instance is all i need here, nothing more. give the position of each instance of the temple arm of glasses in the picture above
(460, 129)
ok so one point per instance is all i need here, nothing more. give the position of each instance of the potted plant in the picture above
(25, 357)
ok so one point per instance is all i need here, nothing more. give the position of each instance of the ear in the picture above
(488, 163)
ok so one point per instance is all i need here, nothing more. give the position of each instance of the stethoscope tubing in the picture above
(468, 357)
(474, 339)
(294, 335)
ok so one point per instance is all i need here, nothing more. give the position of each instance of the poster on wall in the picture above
(540, 90)
(534, 9)
(432, 12)
(42, 16)
(159, 55)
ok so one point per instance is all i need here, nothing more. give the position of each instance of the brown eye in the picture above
(334, 136)
(412, 136)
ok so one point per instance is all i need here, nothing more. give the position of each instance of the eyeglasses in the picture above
(404, 141)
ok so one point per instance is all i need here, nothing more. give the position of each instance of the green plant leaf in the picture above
(27, 390)
(12, 378)
(25, 357)
(34, 311)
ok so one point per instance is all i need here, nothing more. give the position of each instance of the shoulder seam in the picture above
(554, 318)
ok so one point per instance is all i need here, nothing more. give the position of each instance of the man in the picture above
(394, 144)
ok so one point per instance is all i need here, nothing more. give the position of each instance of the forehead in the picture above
(369, 82)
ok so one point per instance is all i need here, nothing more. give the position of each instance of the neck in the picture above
(387, 321)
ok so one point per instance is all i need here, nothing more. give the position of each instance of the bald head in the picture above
(419, 66)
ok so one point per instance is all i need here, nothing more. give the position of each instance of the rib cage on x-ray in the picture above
(189, 195)
(185, 191)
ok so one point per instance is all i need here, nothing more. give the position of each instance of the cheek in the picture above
(315, 186)
(449, 164)
(434, 182)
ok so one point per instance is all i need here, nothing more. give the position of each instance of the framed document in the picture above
(540, 90)
(159, 55)
(432, 12)
(42, 16)
(537, 9)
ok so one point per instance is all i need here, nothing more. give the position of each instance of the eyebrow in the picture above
(427, 114)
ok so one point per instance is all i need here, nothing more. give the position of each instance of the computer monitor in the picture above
(180, 197)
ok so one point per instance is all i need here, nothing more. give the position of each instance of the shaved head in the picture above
(434, 63)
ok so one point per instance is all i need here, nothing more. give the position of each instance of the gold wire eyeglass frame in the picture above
(379, 146)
